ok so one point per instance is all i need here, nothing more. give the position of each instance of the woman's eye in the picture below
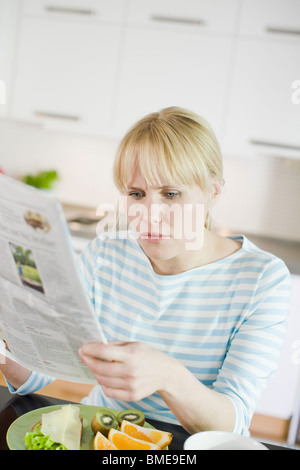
(171, 194)
(136, 195)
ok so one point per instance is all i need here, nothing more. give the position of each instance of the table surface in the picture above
(13, 406)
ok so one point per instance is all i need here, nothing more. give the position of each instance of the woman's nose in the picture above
(153, 210)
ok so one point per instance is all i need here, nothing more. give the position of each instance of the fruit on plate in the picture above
(103, 421)
(132, 415)
(124, 442)
(130, 435)
(160, 438)
(102, 443)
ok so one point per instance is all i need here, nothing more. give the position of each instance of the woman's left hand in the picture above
(133, 371)
(128, 371)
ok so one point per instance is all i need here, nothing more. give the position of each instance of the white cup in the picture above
(221, 440)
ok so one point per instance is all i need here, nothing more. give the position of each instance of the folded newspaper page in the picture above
(45, 313)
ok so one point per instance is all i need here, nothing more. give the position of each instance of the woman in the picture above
(194, 327)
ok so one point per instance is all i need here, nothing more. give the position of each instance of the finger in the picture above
(109, 374)
(103, 368)
(111, 382)
(105, 352)
(121, 394)
(2, 359)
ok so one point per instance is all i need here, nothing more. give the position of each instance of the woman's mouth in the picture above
(154, 237)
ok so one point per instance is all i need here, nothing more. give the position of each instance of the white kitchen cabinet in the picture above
(65, 74)
(8, 25)
(105, 10)
(267, 18)
(213, 15)
(176, 54)
(172, 68)
(96, 66)
(264, 109)
(262, 117)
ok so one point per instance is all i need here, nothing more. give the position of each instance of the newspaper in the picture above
(45, 312)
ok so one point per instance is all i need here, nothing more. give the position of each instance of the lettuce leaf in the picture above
(37, 441)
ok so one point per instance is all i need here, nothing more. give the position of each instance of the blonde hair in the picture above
(173, 145)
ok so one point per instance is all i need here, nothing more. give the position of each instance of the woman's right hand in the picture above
(15, 373)
(2, 360)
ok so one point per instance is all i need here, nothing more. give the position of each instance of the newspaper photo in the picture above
(45, 312)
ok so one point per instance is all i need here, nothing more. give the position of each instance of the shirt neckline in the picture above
(240, 238)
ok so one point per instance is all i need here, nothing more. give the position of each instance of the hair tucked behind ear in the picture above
(209, 223)
(174, 145)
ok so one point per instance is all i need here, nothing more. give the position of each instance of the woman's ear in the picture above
(216, 191)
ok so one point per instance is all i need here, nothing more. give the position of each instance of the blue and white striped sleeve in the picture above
(35, 382)
(88, 260)
(256, 343)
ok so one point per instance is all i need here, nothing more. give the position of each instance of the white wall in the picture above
(8, 34)
(84, 164)
(283, 390)
(261, 196)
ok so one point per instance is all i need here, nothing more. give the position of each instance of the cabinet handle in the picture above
(74, 11)
(177, 20)
(275, 145)
(66, 117)
(277, 30)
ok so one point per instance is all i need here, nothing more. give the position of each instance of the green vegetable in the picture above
(43, 180)
(37, 441)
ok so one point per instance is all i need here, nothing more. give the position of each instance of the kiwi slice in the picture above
(103, 421)
(133, 416)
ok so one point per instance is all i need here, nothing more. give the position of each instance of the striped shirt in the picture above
(224, 321)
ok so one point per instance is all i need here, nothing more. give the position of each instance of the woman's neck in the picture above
(215, 247)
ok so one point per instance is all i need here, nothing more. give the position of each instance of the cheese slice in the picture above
(63, 426)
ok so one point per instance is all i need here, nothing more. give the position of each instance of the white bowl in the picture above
(221, 440)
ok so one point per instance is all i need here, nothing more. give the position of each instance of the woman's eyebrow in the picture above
(169, 186)
(134, 187)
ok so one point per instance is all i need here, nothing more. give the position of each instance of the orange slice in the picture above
(160, 438)
(124, 442)
(102, 443)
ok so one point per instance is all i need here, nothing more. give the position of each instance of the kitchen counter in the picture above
(82, 220)
(288, 251)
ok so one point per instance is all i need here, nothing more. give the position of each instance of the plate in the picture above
(221, 440)
(24, 423)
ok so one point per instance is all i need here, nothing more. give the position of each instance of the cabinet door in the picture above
(8, 26)
(162, 69)
(263, 116)
(212, 15)
(65, 75)
(106, 10)
(268, 18)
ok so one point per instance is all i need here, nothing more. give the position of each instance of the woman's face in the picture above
(168, 221)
